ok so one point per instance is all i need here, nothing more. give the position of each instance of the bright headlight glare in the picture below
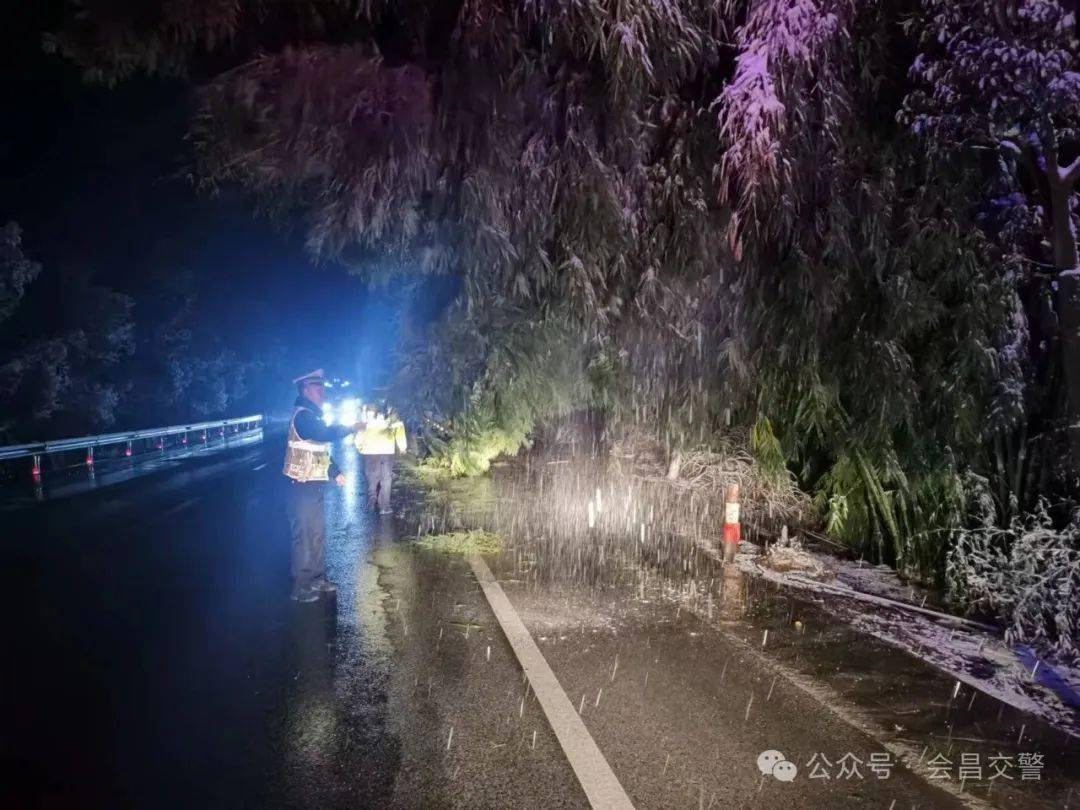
(349, 411)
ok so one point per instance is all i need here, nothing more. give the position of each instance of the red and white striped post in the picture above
(732, 527)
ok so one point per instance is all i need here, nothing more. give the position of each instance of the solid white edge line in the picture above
(592, 770)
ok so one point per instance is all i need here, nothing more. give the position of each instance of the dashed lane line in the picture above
(592, 770)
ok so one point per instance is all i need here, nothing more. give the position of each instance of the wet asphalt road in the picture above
(682, 713)
(153, 659)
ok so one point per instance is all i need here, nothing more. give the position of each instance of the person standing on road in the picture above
(384, 434)
(309, 467)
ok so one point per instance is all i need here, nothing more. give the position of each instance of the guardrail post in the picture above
(90, 456)
(184, 440)
(37, 466)
(204, 435)
(127, 450)
(161, 443)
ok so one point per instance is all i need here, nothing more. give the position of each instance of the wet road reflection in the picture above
(732, 594)
(153, 657)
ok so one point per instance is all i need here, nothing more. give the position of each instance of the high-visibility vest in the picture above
(305, 460)
(381, 437)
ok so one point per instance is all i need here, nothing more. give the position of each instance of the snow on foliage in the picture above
(1027, 574)
(786, 83)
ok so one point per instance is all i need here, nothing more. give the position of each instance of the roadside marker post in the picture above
(732, 526)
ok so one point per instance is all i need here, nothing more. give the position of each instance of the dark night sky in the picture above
(92, 175)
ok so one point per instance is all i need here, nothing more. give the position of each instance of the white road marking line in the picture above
(592, 770)
(259, 468)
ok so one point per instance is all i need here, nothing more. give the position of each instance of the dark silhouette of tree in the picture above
(1002, 76)
(18, 271)
(68, 375)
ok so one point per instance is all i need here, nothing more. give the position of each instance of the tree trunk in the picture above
(1063, 238)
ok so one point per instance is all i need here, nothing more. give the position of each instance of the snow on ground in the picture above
(880, 580)
(874, 600)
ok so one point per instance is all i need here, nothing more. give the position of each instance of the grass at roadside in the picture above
(478, 542)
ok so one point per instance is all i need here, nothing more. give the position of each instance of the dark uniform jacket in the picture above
(310, 427)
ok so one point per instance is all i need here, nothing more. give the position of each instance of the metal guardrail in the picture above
(35, 450)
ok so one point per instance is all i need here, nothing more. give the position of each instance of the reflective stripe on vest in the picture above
(306, 460)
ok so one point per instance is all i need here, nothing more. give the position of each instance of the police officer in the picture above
(382, 437)
(309, 467)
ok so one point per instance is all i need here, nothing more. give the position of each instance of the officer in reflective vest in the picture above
(382, 436)
(309, 467)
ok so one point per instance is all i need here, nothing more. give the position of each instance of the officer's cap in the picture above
(316, 376)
